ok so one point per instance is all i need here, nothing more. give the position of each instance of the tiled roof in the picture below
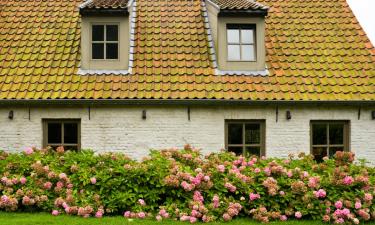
(316, 50)
(113, 4)
(239, 4)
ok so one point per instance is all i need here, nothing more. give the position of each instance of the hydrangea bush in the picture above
(184, 185)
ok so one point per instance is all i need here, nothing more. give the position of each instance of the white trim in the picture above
(84, 4)
(211, 45)
(130, 3)
(214, 5)
(132, 20)
(102, 72)
(244, 72)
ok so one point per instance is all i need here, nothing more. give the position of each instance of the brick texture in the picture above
(122, 129)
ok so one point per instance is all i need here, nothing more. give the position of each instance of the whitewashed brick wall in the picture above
(123, 129)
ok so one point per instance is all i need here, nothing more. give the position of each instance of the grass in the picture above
(47, 219)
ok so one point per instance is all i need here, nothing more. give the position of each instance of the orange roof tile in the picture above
(316, 50)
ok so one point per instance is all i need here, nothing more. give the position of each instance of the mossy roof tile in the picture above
(316, 50)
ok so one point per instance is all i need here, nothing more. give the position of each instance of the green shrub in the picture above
(183, 184)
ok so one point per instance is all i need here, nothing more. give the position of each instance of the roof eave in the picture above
(30, 102)
(243, 12)
(104, 11)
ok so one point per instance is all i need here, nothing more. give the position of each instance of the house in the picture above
(267, 77)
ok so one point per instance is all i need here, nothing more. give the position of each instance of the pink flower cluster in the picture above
(232, 210)
(162, 214)
(253, 196)
(320, 193)
(348, 180)
(216, 201)
(139, 215)
(230, 187)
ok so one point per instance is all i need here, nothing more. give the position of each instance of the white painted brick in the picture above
(122, 128)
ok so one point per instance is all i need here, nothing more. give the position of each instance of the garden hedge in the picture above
(184, 185)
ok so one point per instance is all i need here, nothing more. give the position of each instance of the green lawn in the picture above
(47, 219)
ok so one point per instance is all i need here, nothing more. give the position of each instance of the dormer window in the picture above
(105, 36)
(105, 41)
(241, 42)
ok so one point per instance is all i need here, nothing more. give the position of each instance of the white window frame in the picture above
(105, 42)
(240, 27)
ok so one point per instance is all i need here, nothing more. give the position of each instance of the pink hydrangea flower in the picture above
(141, 202)
(221, 168)
(348, 180)
(55, 212)
(256, 170)
(253, 196)
(184, 218)
(141, 215)
(338, 204)
(206, 178)
(340, 220)
(282, 193)
(198, 197)
(62, 176)
(127, 214)
(47, 185)
(298, 214)
(23, 180)
(289, 174)
(368, 197)
(358, 205)
(99, 214)
(216, 201)
(283, 217)
(356, 221)
(93, 180)
(29, 151)
(193, 219)
(320, 193)
(158, 218)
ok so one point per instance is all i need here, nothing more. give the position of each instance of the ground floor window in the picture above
(245, 137)
(66, 132)
(328, 137)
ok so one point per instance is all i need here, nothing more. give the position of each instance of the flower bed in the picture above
(182, 184)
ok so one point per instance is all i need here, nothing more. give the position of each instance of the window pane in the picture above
(236, 150)
(251, 151)
(69, 147)
(54, 133)
(234, 133)
(319, 153)
(247, 36)
(98, 32)
(252, 134)
(70, 133)
(97, 51)
(319, 134)
(248, 52)
(233, 36)
(112, 51)
(333, 150)
(234, 52)
(336, 134)
(112, 33)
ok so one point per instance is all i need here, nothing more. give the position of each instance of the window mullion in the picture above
(105, 41)
(328, 148)
(243, 139)
(62, 134)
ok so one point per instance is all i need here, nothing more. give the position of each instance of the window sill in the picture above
(102, 72)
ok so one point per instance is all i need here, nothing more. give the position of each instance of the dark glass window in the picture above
(105, 42)
(245, 137)
(62, 133)
(328, 137)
